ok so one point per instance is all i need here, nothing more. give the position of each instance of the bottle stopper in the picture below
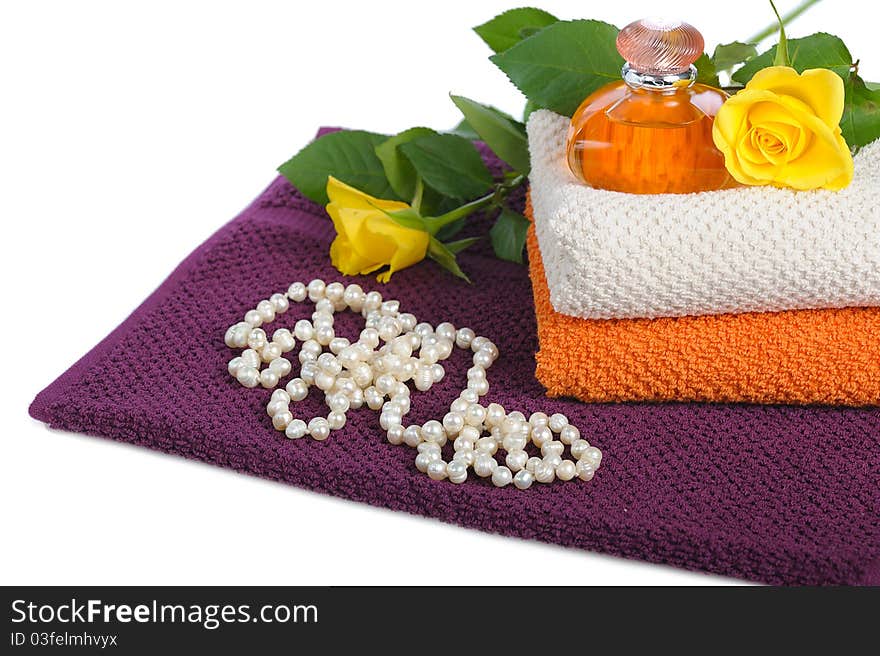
(660, 47)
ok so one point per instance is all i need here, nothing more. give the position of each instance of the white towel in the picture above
(753, 249)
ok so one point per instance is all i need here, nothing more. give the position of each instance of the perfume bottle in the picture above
(651, 132)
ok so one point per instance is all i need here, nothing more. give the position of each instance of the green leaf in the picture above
(781, 58)
(506, 137)
(528, 109)
(728, 55)
(441, 254)
(408, 218)
(706, 73)
(509, 235)
(861, 115)
(348, 155)
(563, 63)
(458, 246)
(400, 173)
(818, 50)
(464, 129)
(873, 86)
(514, 25)
(449, 164)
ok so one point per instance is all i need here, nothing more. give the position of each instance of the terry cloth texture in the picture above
(797, 357)
(610, 255)
(774, 494)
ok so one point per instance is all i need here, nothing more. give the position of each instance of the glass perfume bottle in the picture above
(651, 132)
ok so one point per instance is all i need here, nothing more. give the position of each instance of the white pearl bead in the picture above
(424, 379)
(538, 419)
(275, 406)
(485, 465)
(280, 395)
(470, 433)
(566, 470)
(389, 419)
(432, 431)
(502, 476)
(235, 333)
(369, 337)
(487, 445)
(297, 292)
(445, 330)
(514, 442)
(372, 301)
(457, 472)
(284, 338)
(459, 405)
(319, 428)
(297, 389)
(257, 339)
(541, 435)
(407, 321)
(334, 292)
(337, 344)
(553, 460)
(478, 342)
(390, 307)
(268, 378)
(531, 463)
(279, 303)
(296, 429)
(425, 447)
(373, 398)
(385, 383)
(281, 366)
(569, 434)
(308, 371)
(476, 373)
(552, 448)
(464, 337)
(266, 310)
(354, 297)
(578, 447)
(328, 363)
(234, 365)
(516, 414)
(585, 470)
(253, 318)
(324, 335)
(470, 396)
(324, 381)
(463, 443)
(336, 420)
(495, 414)
(482, 359)
(338, 402)
(394, 435)
(281, 420)
(523, 479)
(362, 374)
(412, 435)
(475, 415)
(437, 470)
(467, 456)
(545, 473)
(316, 290)
(516, 460)
(423, 460)
(303, 330)
(593, 456)
(453, 422)
(557, 422)
(270, 351)
(437, 372)
(248, 376)
(357, 398)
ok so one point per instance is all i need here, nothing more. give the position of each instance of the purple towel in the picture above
(776, 494)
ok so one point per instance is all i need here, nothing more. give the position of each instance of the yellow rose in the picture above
(783, 129)
(366, 238)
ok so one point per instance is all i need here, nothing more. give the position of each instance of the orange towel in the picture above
(800, 356)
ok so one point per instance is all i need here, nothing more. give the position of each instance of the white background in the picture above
(131, 131)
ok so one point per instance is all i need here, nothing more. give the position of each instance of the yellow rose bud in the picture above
(366, 238)
(783, 129)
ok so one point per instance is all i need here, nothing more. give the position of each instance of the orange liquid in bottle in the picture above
(651, 133)
(648, 142)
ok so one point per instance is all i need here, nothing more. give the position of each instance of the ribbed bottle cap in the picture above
(660, 47)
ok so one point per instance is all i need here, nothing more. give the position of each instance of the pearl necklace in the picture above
(354, 374)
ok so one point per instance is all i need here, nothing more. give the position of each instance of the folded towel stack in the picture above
(754, 294)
